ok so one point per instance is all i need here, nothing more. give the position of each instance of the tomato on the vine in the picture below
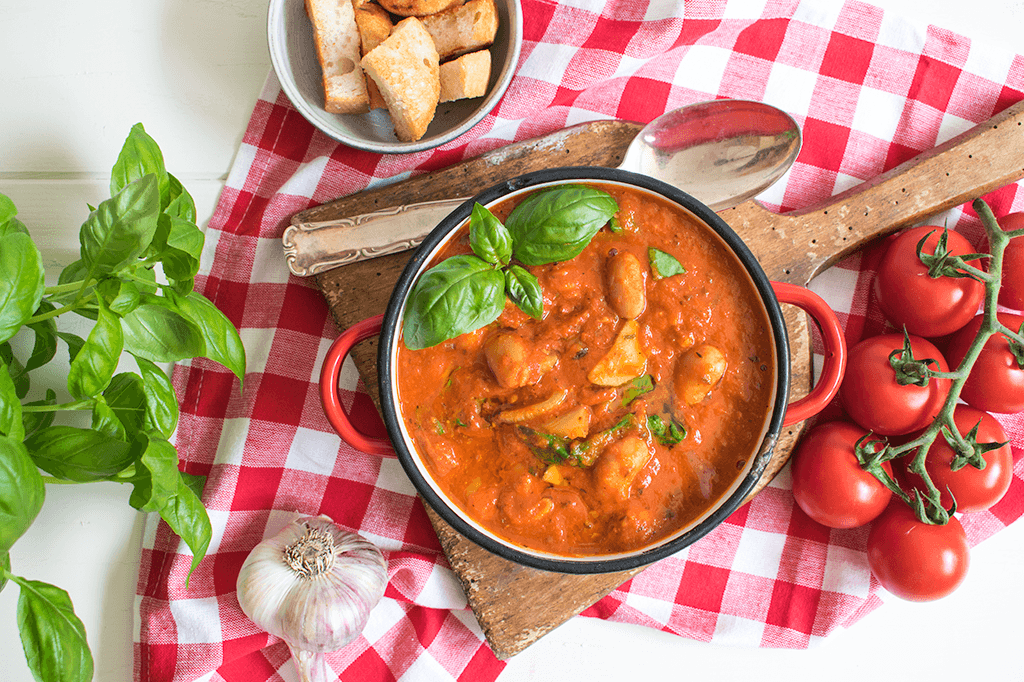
(915, 560)
(829, 484)
(913, 299)
(1011, 294)
(873, 398)
(973, 489)
(996, 381)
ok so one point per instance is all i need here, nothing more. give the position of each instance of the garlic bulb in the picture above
(313, 585)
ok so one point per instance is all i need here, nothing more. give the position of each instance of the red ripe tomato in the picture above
(914, 560)
(1011, 294)
(872, 397)
(996, 382)
(911, 298)
(974, 489)
(828, 481)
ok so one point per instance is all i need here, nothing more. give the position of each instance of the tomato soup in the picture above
(620, 416)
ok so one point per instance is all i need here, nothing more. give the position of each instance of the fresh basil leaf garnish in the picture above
(637, 387)
(488, 238)
(458, 295)
(524, 290)
(466, 292)
(664, 264)
(668, 433)
(557, 224)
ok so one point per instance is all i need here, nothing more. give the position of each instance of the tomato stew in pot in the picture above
(622, 415)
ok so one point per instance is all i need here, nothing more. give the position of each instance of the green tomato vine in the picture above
(872, 451)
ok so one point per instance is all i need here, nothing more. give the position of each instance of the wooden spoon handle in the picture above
(797, 246)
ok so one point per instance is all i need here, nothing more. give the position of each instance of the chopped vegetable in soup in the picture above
(620, 415)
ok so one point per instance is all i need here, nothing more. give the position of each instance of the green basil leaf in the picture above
(121, 228)
(121, 296)
(45, 345)
(161, 401)
(80, 455)
(75, 343)
(181, 249)
(557, 224)
(524, 290)
(7, 209)
(459, 295)
(159, 479)
(637, 387)
(21, 282)
(488, 237)
(52, 635)
(159, 241)
(186, 515)
(186, 236)
(21, 491)
(181, 205)
(8, 222)
(11, 423)
(156, 332)
(16, 370)
(94, 364)
(179, 267)
(5, 568)
(668, 433)
(194, 483)
(148, 284)
(140, 156)
(34, 421)
(127, 398)
(664, 264)
(72, 272)
(105, 421)
(223, 344)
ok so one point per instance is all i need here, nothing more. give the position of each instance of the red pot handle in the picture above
(835, 351)
(371, 326)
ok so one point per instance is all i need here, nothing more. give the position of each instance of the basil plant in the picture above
(133, 284)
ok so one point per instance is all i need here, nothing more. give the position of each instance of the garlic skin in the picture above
(313, 585)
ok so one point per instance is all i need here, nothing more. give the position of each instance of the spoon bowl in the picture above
(720, 152)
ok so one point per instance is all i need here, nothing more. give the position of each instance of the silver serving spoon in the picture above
(721, 152)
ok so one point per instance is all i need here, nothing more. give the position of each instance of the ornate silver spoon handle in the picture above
(310, 248)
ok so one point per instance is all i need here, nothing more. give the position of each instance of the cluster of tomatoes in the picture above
(912, 558)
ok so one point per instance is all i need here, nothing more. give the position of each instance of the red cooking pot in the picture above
(780, 414)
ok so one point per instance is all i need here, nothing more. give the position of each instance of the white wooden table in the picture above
(76, 75)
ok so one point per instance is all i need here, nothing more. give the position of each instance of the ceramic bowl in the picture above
(293, 55)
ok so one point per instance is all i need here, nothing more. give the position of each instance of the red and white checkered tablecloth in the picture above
(869, 90)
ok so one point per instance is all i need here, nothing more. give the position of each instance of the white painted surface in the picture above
(77, 75)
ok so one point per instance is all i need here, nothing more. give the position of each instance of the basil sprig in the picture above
(147, 224)
(466, 292)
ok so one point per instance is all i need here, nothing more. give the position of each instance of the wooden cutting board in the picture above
(516, 605)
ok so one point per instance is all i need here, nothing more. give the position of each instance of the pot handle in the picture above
(835, 351)
(333, 408)
(797, 411)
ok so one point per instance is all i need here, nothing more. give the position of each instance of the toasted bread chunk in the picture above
(337, 47)
(417, 8)
(406, 70)
(463, 29)
(466, 76)
(374, 27)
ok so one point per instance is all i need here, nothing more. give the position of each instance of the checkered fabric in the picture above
(869, 89)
